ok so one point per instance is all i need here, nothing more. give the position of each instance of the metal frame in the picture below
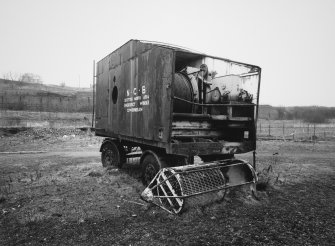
(181, 170)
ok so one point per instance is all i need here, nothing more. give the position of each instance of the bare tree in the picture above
(31, 78)
(12, 76)
(26, 77)
(281, 113)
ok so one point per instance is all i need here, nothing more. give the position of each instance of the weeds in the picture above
(6, 188)
(267, 175)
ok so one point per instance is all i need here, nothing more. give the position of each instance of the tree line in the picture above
(25, 77)
(310, 114)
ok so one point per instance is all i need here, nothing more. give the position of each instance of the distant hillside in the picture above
(16, 95)
(311, 114)
(267, 112)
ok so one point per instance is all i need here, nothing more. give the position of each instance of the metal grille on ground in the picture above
(174, 187)
(198, 182)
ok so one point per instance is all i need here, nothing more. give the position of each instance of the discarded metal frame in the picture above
(172, 186)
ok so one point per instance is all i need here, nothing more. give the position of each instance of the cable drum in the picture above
(182, 89)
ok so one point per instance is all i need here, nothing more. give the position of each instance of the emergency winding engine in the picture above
(174, 104)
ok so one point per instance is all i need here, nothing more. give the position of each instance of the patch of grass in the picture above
(262, 186)
(269, 175)
(6, 188)
(94, 173)
(65, 205)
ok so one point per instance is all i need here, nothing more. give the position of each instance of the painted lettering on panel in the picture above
(136, 99)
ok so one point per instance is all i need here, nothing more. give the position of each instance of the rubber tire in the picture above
(112, 155)
(150, 167)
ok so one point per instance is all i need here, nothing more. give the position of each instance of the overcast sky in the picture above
(293, 41)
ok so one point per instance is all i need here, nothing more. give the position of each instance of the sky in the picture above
(293, 41)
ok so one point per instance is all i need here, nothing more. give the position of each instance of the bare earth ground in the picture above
(62, 196)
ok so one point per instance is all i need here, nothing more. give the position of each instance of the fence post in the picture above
(314, 137)
(269, 124)
(307, 131)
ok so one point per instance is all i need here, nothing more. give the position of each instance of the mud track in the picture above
(64, 197)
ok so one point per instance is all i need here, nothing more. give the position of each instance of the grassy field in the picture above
(16, 118)
(18, 95)
(58, 194)
(295, 130)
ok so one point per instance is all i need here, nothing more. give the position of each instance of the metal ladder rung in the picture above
(172, 190)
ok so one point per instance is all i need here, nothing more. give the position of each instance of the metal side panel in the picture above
(102, 100)
(143, 81)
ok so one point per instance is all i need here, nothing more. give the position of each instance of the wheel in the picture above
(150, 167)
(112, 155)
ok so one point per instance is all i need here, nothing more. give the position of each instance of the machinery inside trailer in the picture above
(214, 95)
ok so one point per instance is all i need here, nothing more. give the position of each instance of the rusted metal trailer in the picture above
(175, 104)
